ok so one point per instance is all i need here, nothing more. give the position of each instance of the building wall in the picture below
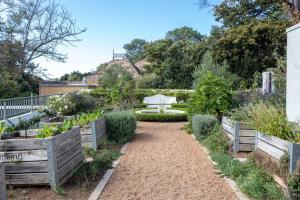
(293, 73)
(59, 89)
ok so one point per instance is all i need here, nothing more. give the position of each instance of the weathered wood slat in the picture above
(247, 133)
(2, 182)
(226, 120)
(87, 144)
(68, 156)
(69, 175)
(247, 147)
(27, 179)
(277, 142)
(29, 133)
(247, 140)
(62, 138)
(86, 138)
(245, 126)
(26, 167)
(23, 156)
(86, 131)
(60, 150)
(271, 150)
(23, 144)
(228, 128)
(69, 166)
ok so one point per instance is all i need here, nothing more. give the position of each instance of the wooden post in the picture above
(52, 163)
(294, 154)
(256, 140)
(2, 182)
(94, 135)
(236, 137)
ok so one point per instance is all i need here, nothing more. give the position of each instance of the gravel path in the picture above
(163, 162)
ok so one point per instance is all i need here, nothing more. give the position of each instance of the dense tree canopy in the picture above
(135, 50)
(252, 36)
(174, 58)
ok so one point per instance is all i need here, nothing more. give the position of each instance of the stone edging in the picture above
(230, 182)
(101, 185)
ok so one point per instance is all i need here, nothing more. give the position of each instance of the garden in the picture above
(230, 91)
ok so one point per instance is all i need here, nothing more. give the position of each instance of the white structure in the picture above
(159, 101)
(268, 86)
(293, 73)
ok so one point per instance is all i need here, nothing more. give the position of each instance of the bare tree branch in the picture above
(42, 26)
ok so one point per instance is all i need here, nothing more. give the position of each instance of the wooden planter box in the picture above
(241, 135)
(2, 182)
(42, 161)
(91, 135)
(277, 147)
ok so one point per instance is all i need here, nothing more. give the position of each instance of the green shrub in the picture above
(142, 105)
(212, 96)
(203, 125)
(239, 114)
(161, 117)
(120, 126)
(85, 119)
(70, 104)
(102, 160)
(180, 105)
(271, 120)
(250, 178)
(294, 186)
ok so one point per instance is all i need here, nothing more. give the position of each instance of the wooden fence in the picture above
(42, 161)
(2, 182)
(241, 135)
(91, 136)
(277, 147)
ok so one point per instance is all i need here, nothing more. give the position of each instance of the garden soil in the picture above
(165, 163)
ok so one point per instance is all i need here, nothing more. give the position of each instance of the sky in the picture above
(112, 23)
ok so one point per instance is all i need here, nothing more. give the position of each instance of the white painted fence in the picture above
(17, 106)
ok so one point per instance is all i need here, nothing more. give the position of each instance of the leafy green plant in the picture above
(212, 96)
(294, 186)
(120, 126)
(85, 119)
(66, 125)
(161, 117)
(239, 114)
(48, 131)
(3, 128)
(203, 124)
(102, 160)
(271, 120)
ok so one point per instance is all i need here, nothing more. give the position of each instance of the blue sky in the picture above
(112, 23)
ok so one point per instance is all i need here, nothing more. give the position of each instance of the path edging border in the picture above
(229, 181)
(103, 182)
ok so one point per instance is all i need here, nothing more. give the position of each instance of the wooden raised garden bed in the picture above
(2, 182)
(92, 134)
(42, 161)
(241, 135)
(277, 147)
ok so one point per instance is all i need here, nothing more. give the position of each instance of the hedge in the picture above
(120, 126)
(161, 117)
(203, 124)
(179, 105)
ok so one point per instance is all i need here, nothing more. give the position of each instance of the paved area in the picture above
(165, 163)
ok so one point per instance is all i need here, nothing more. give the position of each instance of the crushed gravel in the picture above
(165, 163)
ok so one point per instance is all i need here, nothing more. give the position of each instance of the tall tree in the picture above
(184, 33)
(135, 52)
